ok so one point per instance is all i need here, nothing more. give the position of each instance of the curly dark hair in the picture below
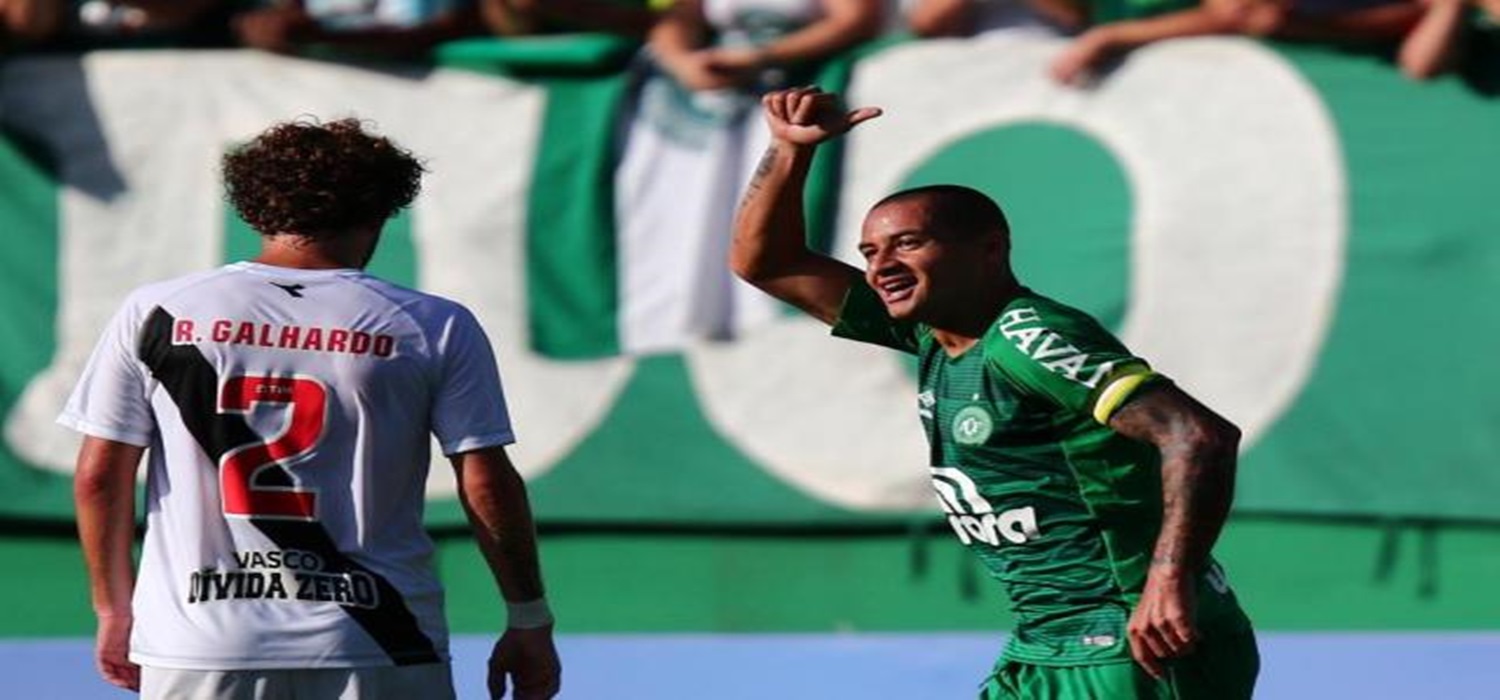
(319, 180)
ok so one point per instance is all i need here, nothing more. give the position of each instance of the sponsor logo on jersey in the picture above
(283, 575)
(1024, 328)
(972, 516)
(972, 425)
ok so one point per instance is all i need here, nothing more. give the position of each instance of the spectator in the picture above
(1435, 42)
(526, 17)
(1336, 21)
(26, 23)
(106, 23)
(1445, 35)
(756, 39)
(1091, 49)
(690, 147)
(384, 27)
(1333, 21)
(959, 18)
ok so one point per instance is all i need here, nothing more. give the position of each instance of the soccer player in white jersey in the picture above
(287, 404)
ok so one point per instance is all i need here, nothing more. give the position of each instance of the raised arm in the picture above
(104, 497)
(494, 498)
(1198, 451)
(769, 249)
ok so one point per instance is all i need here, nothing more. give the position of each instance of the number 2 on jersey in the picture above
(242, 468)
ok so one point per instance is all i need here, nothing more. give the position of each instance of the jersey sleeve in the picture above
(112, 399)
(1063, 356)
(864, 318)
(469, 410)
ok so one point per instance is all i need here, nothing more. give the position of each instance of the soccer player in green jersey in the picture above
(1092, 487)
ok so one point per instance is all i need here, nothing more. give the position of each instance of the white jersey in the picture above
(288, 415)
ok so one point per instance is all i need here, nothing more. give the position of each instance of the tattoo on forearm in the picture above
(762, 171)
(1197, 473)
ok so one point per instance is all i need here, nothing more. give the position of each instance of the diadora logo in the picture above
(925, 402)
(293, 289)
(973, 518)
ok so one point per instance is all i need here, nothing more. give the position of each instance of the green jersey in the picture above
(1062, 510)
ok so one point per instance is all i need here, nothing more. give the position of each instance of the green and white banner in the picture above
(1300, 238)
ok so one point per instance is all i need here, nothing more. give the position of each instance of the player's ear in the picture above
(997, 250)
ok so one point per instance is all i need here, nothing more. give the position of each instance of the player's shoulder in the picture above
(429, 311)
(1032, 323)
(408, 297)
(154, 294)
(1040, 342)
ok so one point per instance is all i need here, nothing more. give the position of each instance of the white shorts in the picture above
(425, 681)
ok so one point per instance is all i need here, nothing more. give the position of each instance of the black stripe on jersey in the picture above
(193, 384)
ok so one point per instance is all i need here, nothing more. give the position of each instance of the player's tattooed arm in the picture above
(1198, 452)
(765, 171)
(769, 248)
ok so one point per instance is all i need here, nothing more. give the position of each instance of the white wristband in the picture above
(528, 615)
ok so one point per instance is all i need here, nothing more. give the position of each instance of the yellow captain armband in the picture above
(1115, 393)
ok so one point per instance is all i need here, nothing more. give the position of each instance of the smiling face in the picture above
(922, 268)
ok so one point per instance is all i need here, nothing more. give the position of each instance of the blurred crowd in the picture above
(686, 136)
(1425, 38)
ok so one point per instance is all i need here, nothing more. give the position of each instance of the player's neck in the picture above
(349, 250)
(968, 324)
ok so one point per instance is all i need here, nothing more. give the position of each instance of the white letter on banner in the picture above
(139, 135)
(1237, 245)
